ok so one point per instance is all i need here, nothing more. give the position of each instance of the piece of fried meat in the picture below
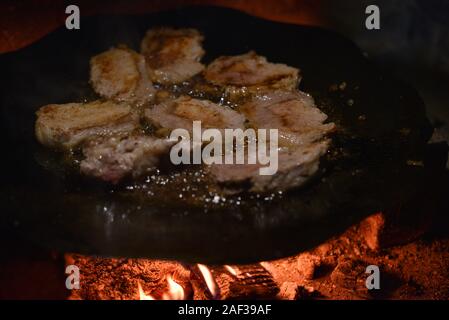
(121, 74)
(294, 114)
(113, 158)
(302, 137)
(250, 74)
(64, 126)
(181, 112)
(172, 55)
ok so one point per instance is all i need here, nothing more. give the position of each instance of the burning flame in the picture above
(210, 282)
(142, 294)
(175, 291)
(231, 270)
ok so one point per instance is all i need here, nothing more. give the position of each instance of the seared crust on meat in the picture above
(250, 74)
(66, 125)
(121, 74)
(296, 167)
(115, 144)
(302, 136)
(113, 158)
(172, 55)
(294, 114)
(181, 112)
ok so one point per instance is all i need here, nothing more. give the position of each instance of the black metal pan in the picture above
(382, 127)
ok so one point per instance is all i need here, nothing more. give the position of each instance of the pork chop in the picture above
(172, 55)
(294, 114)
(115, 157)
(121, 74)
(295, 168)
(181, 112)
(66, 125)
(302, 136)
(250, 74)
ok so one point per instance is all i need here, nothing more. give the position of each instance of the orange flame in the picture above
(142, 294)
(231, 270)
(175, 291)
(210, 282)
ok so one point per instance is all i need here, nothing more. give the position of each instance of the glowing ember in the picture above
(210, 282)
(231, 270)
(142, 294)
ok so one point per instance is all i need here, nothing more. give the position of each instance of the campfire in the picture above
(337, 269)
(175, 291)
